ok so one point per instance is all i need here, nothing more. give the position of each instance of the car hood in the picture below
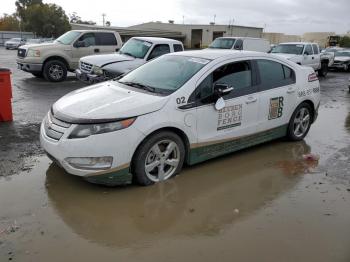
(286, 56)
(41, 46)
(342, 58)
(105, 102)
(102, 60)
(117, 68)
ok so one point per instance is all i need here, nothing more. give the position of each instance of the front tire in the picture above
(55, 71)
(300, 122)
(158, 158)
(324, 69)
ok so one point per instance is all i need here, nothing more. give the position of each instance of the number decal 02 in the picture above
(180, 100)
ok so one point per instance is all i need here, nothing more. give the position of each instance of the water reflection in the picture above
(202, 201)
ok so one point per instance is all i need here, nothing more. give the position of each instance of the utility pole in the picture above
(214, 19)
(103, 18)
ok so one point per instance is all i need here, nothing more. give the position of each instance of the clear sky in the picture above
(285, 16)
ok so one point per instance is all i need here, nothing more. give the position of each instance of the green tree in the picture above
(344, 41)
(76, 19)
(46, 20)
(22, 5)
(9, 23)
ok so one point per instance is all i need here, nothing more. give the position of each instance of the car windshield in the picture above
(165, 74)
(68, 37)
(296, 49)
(222, 43)
(15, 39)
(136, 48)
(347, 53)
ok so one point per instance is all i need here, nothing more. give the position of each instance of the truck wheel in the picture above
(158, 158)
(324, 69)
(38, 75)
(300, 122)
(55, 71)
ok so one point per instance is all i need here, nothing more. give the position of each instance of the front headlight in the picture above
(33, 53)
(82, 131)
(97, 70)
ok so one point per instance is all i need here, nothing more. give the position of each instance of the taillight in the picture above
(312, 77)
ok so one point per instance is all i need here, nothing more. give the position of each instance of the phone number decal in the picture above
(308, 92)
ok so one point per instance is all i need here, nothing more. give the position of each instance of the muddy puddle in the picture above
(267, 203)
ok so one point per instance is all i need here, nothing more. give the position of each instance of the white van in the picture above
(241, 43)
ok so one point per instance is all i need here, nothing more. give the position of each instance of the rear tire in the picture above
(55, 71)
(300, 122)
(158, 158)
(323, 70)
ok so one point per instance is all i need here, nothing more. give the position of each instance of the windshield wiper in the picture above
(139, 85)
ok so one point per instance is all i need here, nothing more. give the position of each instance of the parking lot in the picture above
(266, 203)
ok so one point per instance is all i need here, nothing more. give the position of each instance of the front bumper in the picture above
(29, 67)
(89, 78)
(122, 149)
(339, 66)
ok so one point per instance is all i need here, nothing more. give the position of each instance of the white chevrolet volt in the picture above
(184, 107)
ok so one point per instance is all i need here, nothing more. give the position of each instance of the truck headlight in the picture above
(97, 70)
(33, 53)
(81, 131)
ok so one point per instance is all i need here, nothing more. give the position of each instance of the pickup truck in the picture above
(54, 60)
(306, 54)
(134, 53)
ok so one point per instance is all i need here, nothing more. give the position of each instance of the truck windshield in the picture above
(68, 38)
(222, 43)
(165, 74)
(296, 49)
(136, 48)
(342, 53)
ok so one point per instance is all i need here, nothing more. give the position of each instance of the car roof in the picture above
(298, 43)
(240, 37)
(95, 31)
(216, 54)
(157, 39)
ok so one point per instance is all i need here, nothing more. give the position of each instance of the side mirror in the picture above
(306, 53)
(222, 89)
(80, 44)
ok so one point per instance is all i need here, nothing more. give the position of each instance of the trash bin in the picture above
(5, 95)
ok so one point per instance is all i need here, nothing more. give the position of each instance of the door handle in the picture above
(251, 100)
(313, 57)
(290, 90)
(96, 50)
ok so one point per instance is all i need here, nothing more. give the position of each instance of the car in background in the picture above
(53, 60)
(241, 43)
(342, 60)
(306, 54)
(181, 107)
(135, 52)
(14, 43)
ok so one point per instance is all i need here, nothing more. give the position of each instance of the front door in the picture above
(308, 56)
(89, 44)
(228, 129)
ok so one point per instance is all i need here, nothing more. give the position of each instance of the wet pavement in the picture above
(266, 203)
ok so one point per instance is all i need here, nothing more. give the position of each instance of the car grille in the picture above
(337, 62)
(21, 52)
(55, 128)
(85, 67)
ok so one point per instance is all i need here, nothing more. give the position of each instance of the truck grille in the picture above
(55, 128)
(21, 52)
(85, 67)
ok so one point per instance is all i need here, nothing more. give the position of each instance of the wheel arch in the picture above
(312, 105)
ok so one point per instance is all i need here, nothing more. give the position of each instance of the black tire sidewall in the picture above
(139, 158)
(290, 131)
(47, 67)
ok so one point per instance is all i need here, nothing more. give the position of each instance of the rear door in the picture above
(277, 92)
(106, 43)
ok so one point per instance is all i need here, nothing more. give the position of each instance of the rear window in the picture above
(178, 48)
(106, 39)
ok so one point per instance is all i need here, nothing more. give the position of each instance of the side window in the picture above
(315, 48)
(178, 48)
(237, 75)
(238, 44)
(159, 50)
(88, 38)
(308, 50)
(106, 39)
(274, 74)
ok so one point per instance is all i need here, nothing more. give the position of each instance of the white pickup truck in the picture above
(134, 53)
(307, 54)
